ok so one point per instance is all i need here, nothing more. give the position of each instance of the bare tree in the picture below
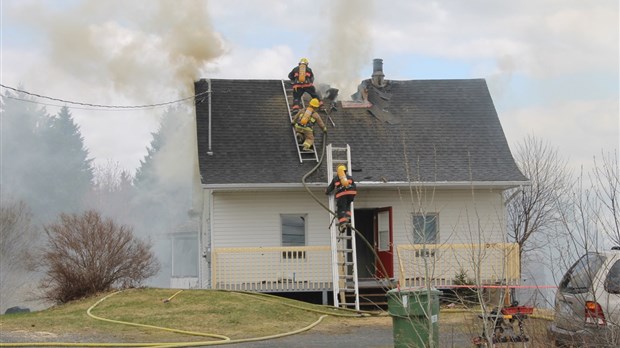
(588, 222)
(87, 254)
(112, 190)
(606, 177)
(532, 209)
(17, 234)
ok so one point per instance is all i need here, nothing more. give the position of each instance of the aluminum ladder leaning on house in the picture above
(343, 249)
(303, 155)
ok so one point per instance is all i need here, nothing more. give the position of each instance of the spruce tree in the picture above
(22, 149)
(69, 172)
(44, 161)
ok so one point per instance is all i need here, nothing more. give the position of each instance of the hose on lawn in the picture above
(223, 339)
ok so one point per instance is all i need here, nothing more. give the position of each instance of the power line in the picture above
(125, 107)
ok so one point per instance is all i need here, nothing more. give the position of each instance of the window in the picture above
(425, 229)
(185, 254)
(293, 229)
(612, 283)
(293, 234)
(578, 279)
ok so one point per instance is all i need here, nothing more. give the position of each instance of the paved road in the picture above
(355, 333)
(377, 334)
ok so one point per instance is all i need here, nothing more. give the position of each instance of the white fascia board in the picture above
(373, 185)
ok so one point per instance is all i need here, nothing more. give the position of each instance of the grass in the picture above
(232, 314)
(236, 315)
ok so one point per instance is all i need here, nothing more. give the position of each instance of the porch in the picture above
(292, 269)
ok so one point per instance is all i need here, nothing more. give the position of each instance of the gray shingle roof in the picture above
(417, 130)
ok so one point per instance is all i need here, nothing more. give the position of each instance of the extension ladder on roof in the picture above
(344, 255)
(303, 155)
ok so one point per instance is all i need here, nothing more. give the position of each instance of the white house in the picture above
(430, 159)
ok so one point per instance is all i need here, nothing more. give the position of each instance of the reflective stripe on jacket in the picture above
(350, 190)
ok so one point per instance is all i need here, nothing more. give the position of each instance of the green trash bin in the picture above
(412, 326)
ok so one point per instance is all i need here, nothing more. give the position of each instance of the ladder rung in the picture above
(346, 263)
(345, 250)
(334, 148)
(346, 276)
(344, 237)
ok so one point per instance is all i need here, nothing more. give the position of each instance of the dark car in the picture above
(587, 304)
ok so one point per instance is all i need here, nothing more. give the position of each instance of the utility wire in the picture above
(146, 106)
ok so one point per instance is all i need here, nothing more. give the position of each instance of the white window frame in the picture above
(427, 217)
(192, 237)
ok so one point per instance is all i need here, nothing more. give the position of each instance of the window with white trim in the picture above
(185, 254)
(293, 234)
(425, 229)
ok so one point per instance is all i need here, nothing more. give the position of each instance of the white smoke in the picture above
(139, 48)
(137, 52)
(347, 47)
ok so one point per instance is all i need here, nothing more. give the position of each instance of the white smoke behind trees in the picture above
(145, 52)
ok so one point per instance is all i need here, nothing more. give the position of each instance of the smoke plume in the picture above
(141, 52)
(142, 49)
(348, 45)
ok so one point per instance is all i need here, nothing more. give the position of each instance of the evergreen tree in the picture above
(44, 162)
(69, 171)
(164, 176)
(21, 148)
(163, 184)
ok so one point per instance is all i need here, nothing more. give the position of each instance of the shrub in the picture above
(86, 254)
(466, 295)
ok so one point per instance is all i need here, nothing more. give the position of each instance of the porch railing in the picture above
(309, 268)
(272, 268)
(450, 264)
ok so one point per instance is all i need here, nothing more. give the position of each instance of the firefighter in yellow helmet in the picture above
(346, 189)
(304, 121)
(302, 80)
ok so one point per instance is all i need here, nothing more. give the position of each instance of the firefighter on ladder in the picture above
(345, 188)
(303, 122)
(302, 80)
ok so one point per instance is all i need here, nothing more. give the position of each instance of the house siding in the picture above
(252, 219)
(465, 216)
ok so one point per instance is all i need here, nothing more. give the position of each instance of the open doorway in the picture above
(364, 223)
(374, 246)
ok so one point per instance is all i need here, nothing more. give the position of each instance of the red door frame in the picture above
(385, 264)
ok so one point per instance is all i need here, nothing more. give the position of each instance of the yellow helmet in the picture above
(314, 103)
(303, 61)
(341, 168)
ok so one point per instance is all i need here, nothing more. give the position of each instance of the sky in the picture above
(552, 66)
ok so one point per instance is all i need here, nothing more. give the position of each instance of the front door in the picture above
(384, 243)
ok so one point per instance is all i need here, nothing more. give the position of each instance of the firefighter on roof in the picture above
(303, 122)
(345, 188)
(302, 80)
